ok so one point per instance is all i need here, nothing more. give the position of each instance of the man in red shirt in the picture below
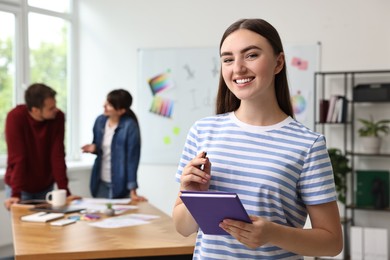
(34, 134)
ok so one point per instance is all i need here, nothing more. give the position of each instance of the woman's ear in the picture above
(279, 63)
(122, 111)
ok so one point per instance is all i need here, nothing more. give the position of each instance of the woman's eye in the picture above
(227, 60)
(252, 55)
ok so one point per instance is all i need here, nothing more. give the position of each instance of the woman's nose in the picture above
(239, 66)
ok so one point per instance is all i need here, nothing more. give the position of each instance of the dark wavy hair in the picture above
(122, 99)
(226, 100)
(36, 94)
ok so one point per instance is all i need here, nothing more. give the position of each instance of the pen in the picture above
(203, 156)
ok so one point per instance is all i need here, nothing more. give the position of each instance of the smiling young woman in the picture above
(279, 168)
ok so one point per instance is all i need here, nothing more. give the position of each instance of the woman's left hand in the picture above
(135, 197)
(252, 234)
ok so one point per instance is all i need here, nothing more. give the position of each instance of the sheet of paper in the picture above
(105, 201)
(124, 221)
(99, 205)
(142, 216)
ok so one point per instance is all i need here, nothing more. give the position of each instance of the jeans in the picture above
(104, 190)
(28, 195)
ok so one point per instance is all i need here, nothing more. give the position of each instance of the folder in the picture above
(372, 188)
(211, 208)
(369, 243)
(41, 217)
(357, 248)
(375, 243)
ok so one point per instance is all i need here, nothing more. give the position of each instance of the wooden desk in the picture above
(82, 241)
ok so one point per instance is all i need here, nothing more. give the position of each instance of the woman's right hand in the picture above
(193, 177)
(89, 148)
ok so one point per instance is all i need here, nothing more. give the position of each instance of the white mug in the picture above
(57, 198)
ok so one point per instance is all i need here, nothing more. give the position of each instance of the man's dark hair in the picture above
(36, 94)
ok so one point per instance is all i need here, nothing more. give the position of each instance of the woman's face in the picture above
(110, 111)
(249, 65)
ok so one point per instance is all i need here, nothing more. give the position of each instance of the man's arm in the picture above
(16, 147)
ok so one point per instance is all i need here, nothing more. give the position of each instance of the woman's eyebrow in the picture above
(250, 47)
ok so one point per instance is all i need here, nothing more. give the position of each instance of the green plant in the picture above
(340, 170)
(372, 128)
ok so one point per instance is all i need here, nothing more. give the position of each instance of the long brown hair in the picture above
(226, 100)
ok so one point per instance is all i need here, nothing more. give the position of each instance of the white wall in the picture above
(5, 220)
(354, 36)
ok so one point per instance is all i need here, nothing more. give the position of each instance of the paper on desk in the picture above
(104, 201)
(124, 221)
(99, 205)
(142, 216)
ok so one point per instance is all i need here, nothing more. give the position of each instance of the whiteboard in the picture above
(177, 86)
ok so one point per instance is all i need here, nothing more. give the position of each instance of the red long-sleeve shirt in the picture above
(36, 152)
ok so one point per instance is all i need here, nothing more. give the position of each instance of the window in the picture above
(62, 6)
(36, 42)
(49, 53)
(7, 70)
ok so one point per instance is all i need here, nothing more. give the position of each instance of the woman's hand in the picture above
(89, 148)
(194, 176)
(135, 197)
(252, 235)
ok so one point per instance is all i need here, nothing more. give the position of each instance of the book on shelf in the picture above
(337, 111)
(332, 104)
(343, 114)
(211, 208)
(324, 107)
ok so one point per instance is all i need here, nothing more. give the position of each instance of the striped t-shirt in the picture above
(275, 170)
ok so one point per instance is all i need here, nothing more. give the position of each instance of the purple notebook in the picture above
(210, 208)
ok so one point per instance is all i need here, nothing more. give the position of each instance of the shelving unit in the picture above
(342, 83)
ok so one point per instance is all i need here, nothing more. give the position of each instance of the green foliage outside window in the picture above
(6, 83)
(49, 66)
